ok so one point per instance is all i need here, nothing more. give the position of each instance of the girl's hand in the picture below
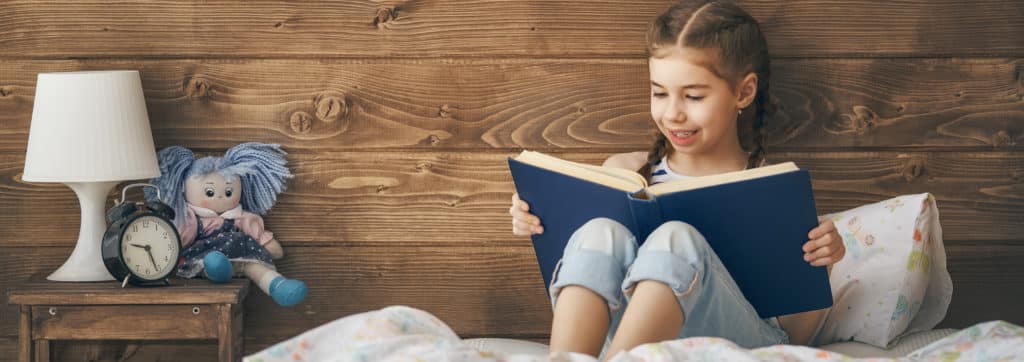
(523, 222)
(826, 246)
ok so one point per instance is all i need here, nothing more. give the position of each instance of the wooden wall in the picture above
(398, 116)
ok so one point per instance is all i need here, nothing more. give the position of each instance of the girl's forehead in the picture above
(683, 67)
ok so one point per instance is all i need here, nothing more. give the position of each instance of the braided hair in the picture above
(734, 38)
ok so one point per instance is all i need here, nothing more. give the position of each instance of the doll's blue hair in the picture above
(260, 166)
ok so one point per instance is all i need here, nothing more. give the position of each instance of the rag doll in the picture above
(219, 202)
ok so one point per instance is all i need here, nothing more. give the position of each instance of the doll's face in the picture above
(213, 191)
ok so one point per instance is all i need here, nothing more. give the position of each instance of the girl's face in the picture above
(212, 191)
(693, 108)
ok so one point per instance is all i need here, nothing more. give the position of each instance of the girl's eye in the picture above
(228, 192)
(695, 98)
(209, 192)
(658, 95)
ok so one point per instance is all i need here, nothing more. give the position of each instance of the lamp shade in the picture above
(90, 127)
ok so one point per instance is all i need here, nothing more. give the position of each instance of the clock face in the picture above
(149, 248)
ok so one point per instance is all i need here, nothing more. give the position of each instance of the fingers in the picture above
(523, 222)
(826, 226)
(826, 250)
(520, 227)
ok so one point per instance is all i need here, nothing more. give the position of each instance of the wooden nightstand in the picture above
(188, 309)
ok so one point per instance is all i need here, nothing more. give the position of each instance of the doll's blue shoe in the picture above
(287, 292)
(217, 267)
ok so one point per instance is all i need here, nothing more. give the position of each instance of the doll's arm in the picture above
(252, 225)
(187, 230)
(274, 248)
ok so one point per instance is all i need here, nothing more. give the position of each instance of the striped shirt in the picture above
(662, 173)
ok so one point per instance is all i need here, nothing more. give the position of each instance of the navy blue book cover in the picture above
(756, 227)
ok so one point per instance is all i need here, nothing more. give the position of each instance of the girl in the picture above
(709, 72)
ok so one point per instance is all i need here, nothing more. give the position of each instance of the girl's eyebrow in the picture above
(688, 86)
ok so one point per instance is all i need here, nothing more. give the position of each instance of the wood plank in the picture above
(491, 292)
(462, 198)
(988, 284)
(38, 290)
(479, 291)
(850, 104)
(123, 321)
(807, 28)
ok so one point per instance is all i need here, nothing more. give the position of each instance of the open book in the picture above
(755, 220)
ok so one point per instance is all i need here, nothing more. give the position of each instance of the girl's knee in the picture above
(604, 235)
(677, 237)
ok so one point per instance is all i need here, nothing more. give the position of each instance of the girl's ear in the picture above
(746, 90)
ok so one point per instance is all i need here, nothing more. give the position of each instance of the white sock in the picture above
(264, 282)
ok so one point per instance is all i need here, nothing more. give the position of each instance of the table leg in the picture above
(42, 350)
(225, 339)
(25, 335)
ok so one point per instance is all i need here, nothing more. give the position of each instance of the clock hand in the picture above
(140, 246)
(151, 258)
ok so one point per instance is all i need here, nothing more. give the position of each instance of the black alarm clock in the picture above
(141, 245)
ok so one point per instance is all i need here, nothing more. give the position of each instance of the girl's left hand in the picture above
(825, 246)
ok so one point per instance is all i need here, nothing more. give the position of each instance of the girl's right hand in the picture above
(523, 222)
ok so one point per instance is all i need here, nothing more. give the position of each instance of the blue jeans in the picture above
(602, 256)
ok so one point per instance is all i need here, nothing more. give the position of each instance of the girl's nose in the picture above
(673, 113)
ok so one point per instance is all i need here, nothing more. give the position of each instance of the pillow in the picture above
(893, 279)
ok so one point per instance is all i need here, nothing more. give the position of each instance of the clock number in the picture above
(135, 228)
(137, 266)
(166, 258)
(145, 224)
(165, 235)
(129, 260)
(128, 237)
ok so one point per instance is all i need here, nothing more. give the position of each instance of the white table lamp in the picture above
(89, 131)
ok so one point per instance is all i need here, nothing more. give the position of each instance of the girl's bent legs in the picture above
(653, 315)
(586, 287)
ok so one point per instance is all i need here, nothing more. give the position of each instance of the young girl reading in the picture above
(709, 72)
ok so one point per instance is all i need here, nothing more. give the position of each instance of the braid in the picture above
(758, 153)
(658, 150)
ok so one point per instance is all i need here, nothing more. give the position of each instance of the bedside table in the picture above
(187, 309)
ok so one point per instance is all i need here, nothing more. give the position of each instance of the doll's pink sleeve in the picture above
(187, 231)
(252, 225)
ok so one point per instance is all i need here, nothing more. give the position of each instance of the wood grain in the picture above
(482, 292)
(38, 290)
(122, 322)
(823, 104)
(462, 198)
(478, 291)
(439, 28)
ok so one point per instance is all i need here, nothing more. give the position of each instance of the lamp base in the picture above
(86, 262)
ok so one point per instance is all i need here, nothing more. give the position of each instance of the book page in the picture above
(617, 178)
(719, 179)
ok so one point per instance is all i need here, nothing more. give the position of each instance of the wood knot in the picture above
(433, 140)
(330, 107)
(197, 88)
(862, 119)
(445, 111)
(6, 91)
(301, 122)
(913, 169)
(382, 188)
(423, 166)
(279, 25)
(1001, 139)
(384, 16)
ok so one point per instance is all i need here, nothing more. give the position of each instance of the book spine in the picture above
(646, 214)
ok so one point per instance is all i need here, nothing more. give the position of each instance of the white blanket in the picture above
(406, 334)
